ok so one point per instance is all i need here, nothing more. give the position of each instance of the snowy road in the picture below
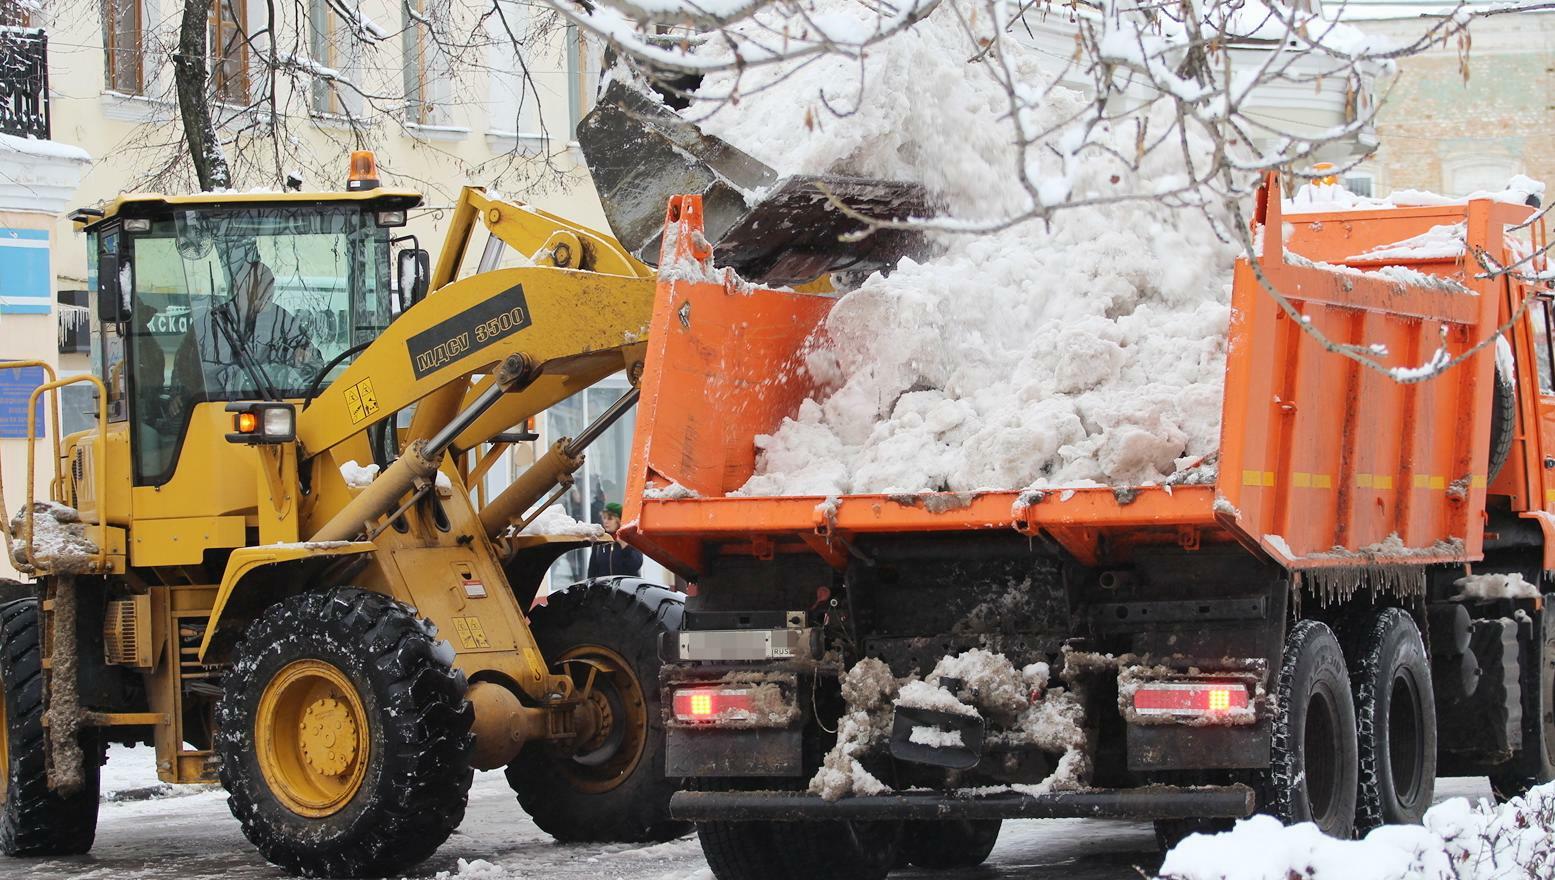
(194, 837)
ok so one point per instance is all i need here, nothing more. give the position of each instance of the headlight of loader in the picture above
(255, 423)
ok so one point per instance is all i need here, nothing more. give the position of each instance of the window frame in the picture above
(228, 89)
(113, 52)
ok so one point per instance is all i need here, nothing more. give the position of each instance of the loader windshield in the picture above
(244, 304)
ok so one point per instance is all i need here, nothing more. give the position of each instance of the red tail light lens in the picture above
(1197, 698)
(711, 705)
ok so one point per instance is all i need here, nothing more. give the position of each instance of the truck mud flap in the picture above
(1153, 802)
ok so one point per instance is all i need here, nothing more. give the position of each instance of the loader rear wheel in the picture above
(961, 843)
(344, 736)
(1313, 769)
(34, 819)
(1396, 723)
(611, 786)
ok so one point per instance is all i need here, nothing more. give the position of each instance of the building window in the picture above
(123, 52)
(428, 76)
(584, 58)
(1465, 175)
(514, 108)
(1361, 183)
(229, 51)
(15, 13)
(333, 48)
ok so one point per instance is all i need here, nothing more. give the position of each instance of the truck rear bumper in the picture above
(1153, 802)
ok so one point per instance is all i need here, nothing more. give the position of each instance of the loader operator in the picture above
(616, 557)
(247, 345)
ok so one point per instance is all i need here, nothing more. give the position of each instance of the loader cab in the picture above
(224, 297)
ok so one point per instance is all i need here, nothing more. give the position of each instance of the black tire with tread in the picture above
(34, 820)
(956, 843)
(1312, 673)
(1503, 410)
(1534, 763)
(419, 775)
(626, 615)
(1390, 654)
(766, 850)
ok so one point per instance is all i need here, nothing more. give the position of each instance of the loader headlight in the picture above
(255, 423)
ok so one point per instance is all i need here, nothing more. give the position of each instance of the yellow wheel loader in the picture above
(265, 560)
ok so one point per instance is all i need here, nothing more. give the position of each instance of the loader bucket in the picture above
(768, 228)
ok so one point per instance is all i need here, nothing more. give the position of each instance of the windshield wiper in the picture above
(245, 357)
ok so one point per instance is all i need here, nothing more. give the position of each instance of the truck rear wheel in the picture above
(1534, 763)
(1396, 723)
(813, 850)
(961, 843)
(612, 787)
(1313, 768)
(34, 819)
(344, 736)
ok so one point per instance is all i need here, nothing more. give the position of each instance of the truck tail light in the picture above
(1191, 699)
(712, 705)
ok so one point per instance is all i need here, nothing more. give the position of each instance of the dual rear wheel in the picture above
(1353, 748)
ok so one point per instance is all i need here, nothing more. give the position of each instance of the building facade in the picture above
(1459, 119)
(446, 94)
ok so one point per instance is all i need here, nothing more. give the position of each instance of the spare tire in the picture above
(1503, 414)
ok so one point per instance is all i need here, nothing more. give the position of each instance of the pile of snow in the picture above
(58, 540)
(555, 522)
(1019, 707)
(1458, 841)
(1314, 197)
(1495, 586)
(1090, 349)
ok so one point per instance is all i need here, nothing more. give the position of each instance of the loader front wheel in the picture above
(35, 820)
(344, 736)
(610, 786)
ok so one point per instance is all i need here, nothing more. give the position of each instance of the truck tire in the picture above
(383, 789)
(1313, 767)
(963, 843)
(613, 787)
(812, 850)
(741, 851)
(1534, 763)
(1395, 722)
(1503, 409)
(35, 820)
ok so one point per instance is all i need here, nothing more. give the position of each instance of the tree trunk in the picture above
(194, 101)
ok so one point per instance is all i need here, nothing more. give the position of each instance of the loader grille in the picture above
(127, 632)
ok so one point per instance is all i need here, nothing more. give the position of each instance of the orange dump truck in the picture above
(1349, 606)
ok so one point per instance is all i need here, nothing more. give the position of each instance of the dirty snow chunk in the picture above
(935, 738)
(673, 492)
(475, 869)
(1458, 841)
(922, 695)
(358, 476)
(867, 689)
(58, 541)
(1090, 347)
(555, 522)
(1495, 586)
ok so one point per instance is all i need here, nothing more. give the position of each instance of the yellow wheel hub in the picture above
(615, 699)
(311, 738)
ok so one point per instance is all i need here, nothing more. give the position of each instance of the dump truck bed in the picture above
(1323, 461)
